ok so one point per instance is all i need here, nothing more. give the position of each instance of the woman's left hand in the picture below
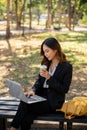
(29, 93)
(44, 73)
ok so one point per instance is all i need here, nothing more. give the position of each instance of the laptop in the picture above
(16, 90)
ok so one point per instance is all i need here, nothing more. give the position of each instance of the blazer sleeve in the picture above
(61, 79)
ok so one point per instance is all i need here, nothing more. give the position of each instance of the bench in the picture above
(9, 106)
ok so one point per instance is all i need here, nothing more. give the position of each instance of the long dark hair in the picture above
(54, 45)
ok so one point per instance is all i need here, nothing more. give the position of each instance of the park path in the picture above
(40, 29)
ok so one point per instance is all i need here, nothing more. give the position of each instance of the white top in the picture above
(45, 85)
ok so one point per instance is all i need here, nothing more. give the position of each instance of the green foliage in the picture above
(40, 7)
(83, 2)
(84, 20)
(2, 7)
(84, 8)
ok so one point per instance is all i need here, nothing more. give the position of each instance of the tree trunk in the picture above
(19, 17)
(21, 13)
(8, 20)
(16, 10)
(74, 15)
(69, 14)
(48, 25)
(30, 15)
(60, 11)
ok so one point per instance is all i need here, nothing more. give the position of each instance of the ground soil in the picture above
(79, 81)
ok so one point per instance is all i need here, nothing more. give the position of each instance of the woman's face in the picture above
(49, 53)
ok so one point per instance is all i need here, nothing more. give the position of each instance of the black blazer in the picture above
(59, 85)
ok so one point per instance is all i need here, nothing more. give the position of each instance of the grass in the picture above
(20, 57)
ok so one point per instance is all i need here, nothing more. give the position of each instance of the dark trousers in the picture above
(28, 112)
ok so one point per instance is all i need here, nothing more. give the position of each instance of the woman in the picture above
(52, 84)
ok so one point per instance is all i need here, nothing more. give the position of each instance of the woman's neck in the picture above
(55, 62)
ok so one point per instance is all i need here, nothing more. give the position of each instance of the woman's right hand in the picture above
(44, 73)
(29, 93)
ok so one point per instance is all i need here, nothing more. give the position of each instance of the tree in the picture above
(74, 14)
(30, 14)
(69, 14)
(19, 9)
(49, 4)
(60, 11)
(8, 20)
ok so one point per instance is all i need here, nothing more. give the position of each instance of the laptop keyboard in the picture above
(38, 98)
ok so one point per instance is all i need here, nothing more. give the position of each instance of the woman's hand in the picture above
(44, 73)
(30, 93)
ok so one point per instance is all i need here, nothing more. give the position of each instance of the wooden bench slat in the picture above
(9, 103)
(9, 99)
(7, 113)
(3, 107)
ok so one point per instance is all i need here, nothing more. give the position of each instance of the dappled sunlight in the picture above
(79, 83)
(75, 78)
(75, 53)
(35, 66)
(3, 71)
(82, 79)
(78, 37)
(23, 63)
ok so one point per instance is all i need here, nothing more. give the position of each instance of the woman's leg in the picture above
(27, 113)
(21, 112)
(35, 110)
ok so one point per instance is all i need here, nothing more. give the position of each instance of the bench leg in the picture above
(69, 125)
(3, 124)
(61, 125)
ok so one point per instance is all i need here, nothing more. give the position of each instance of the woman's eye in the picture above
(47, 51)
